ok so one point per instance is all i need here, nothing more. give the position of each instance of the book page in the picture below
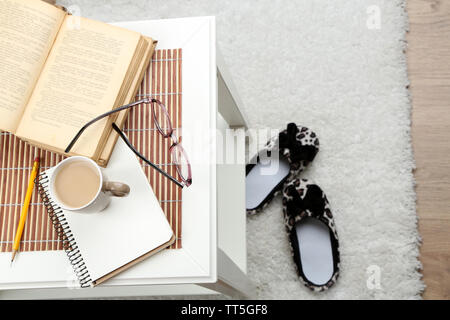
(80, 80)
(28, 30)
(120, 120)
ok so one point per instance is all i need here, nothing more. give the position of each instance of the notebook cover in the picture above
(130, 229)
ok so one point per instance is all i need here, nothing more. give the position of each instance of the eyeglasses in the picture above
(164, 126)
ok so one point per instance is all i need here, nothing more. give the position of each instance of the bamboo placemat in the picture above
(163, 81)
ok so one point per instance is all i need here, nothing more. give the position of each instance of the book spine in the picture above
(63, 231)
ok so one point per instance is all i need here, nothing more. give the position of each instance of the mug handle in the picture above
(117, 189)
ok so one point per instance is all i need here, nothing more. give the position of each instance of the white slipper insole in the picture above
(316, 254)
(262, 179)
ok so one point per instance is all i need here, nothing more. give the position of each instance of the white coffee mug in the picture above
(105, 190)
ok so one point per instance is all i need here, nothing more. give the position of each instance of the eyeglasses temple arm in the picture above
(74, 140)
(124, 138)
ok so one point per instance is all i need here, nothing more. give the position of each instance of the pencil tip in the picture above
(13, 255)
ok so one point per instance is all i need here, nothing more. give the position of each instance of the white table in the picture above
(213, 255)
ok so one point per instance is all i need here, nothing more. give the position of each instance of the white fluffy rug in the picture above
(338, 68)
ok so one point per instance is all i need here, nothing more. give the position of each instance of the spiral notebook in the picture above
(129, 230)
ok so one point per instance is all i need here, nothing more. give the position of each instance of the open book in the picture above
(59, 71)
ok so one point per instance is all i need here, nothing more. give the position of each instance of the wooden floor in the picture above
(429, 72)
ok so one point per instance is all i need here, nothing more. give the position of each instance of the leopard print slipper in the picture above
(312, 234)
(297, 146)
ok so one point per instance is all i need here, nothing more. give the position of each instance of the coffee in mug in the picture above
(78, 184)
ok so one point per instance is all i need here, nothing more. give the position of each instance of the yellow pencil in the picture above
(24, 212)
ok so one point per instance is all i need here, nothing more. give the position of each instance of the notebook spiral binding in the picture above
(64, 233)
